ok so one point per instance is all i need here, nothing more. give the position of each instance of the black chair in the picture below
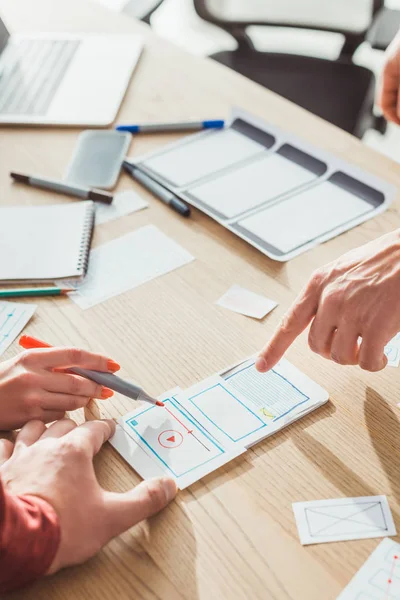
(339, 91)
(141, 9)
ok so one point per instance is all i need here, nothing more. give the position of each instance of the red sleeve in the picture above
(29, 539)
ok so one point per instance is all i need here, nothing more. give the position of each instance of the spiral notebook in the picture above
(45, 243)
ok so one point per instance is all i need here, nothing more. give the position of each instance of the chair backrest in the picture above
(141, 9)
(343, 16)
(4, 35)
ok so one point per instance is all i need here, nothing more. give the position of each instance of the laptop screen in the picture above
(4, 35)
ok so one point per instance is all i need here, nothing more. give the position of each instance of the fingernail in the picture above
(113, 366)
(261, 364)
(106, 393)
(170, 488)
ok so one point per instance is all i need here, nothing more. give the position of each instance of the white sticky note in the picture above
(202, 155)
(379, 577)
(124, 203)
(247, 303)
(342, 519)
(13, 318)
(251, 185)
(128, 262)
(305, 216)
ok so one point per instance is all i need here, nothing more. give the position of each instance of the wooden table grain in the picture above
(231, 535)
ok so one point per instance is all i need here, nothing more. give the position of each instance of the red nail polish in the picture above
(106, 393)
(113, 366)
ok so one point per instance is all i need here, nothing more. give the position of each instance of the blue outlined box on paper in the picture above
(227, 412)
(173, 438)
(213, 422)
(13, 318)
(271, 391)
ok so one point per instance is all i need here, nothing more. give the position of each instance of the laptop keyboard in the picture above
(30, 73)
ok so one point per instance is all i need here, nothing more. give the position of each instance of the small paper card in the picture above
(247, 303)
(141, 256)
(124, 203)
(342, 519)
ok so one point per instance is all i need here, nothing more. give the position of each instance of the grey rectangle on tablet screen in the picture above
(203, 155)
(253, 133)
(256, 183)
(310, 214)
(316, 166)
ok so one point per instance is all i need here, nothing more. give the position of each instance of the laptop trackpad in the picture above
(96, 79)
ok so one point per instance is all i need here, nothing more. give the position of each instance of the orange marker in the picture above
(101, 377)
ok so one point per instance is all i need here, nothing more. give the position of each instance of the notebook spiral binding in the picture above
(83, 260)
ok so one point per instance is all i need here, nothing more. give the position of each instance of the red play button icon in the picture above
(170, 438)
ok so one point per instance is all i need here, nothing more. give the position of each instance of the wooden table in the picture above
(231, 535)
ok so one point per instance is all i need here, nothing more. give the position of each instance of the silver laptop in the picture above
(61, 79)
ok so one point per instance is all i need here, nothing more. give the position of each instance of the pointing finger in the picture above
(293, 323)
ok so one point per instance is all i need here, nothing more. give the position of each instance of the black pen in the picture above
(158, 190)
(63, 187)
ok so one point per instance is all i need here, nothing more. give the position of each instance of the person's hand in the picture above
(56, 464)
(388, 92)
(356, 296)
(34, 386)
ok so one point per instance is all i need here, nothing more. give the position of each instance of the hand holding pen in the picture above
(103, 377)
(34, 385)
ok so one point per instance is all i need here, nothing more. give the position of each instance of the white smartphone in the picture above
(97, 159)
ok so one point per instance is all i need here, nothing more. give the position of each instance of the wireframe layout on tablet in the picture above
(211, 423)
(272, 189)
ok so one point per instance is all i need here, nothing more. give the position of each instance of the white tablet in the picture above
(270, 188)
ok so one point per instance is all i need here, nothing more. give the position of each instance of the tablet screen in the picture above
(205, 154)
(305, 216)
(256, 183)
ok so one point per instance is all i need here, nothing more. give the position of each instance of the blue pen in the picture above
(170, 127)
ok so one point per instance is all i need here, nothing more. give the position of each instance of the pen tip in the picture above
(19, 177)
(159, 403)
